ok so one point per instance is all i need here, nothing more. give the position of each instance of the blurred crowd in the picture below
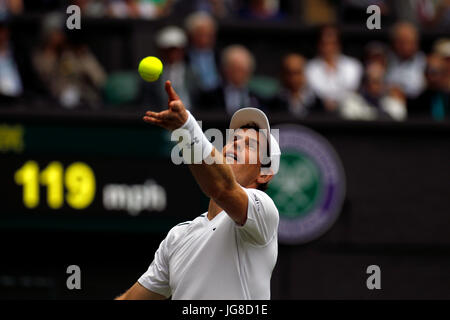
(394, 80)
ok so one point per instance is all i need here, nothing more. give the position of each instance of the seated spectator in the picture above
(295, 97)
(441, 18)
(331, 74)
(145, 9)
(434, 102)
(424, 13)
(92, 8)
(237, 65)
(171, 41)
(261, 10)
(215, 8)
(318, 12)
(13, 7)
(406, 63)
(18, 82)
(70, 72)
(375, 52)
(375, 100)
(202, 57)
(442, 49)
(11, 84)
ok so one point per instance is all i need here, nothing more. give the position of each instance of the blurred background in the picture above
(83, 181)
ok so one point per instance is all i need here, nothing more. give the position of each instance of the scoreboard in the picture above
(83, 175)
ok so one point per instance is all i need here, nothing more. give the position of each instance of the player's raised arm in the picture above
(216, 180)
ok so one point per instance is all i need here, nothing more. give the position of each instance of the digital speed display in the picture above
(78, 177)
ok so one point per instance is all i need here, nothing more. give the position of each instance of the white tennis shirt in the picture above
(217, 259)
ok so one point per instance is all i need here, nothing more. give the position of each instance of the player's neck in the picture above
(213, 210)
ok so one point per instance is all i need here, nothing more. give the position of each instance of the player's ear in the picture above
(264, 178)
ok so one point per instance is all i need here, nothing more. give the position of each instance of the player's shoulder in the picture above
(261, 197)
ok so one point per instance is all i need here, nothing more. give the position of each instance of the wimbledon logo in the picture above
(310, 186)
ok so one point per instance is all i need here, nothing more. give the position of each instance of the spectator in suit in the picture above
(295, 97)
(434, 101)
(201, 54)
(331, 74)
(237, 65)
(406, 63)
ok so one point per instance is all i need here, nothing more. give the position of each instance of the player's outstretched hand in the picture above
(172, 118)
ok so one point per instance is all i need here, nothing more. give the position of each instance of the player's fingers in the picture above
(158, 115)
(151, 114)
(153, 120)
(171, 92)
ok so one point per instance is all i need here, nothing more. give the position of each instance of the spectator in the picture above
(318, 12)
(216, 8)
(406, 64)
(11, 86)
(424, 13)
(92, 8)
(442, 49)
(375, 100)
(435, 100)
(332, 75)
(375, 52)
(261, 10)
(441, 18)
(171, 42)
(202, 57)
(238, 65)
(13, 7)
(71, 73)
(295, 96)
(146, 9)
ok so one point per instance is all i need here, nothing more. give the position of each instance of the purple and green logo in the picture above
(309, 188)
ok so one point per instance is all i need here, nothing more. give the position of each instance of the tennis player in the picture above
(229, 252)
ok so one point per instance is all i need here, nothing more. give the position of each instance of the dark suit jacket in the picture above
(215, 100)
(422, 105)
(280, 105)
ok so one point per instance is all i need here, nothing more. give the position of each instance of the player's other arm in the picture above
(139, 292)
(216, 180)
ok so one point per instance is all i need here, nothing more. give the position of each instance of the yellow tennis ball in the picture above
(150, 68)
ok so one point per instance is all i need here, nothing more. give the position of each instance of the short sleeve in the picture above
(262, 218)
(156, 278)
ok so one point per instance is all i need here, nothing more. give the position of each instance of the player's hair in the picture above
(261, 186)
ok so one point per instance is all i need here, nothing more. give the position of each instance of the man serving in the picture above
(229, 252)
